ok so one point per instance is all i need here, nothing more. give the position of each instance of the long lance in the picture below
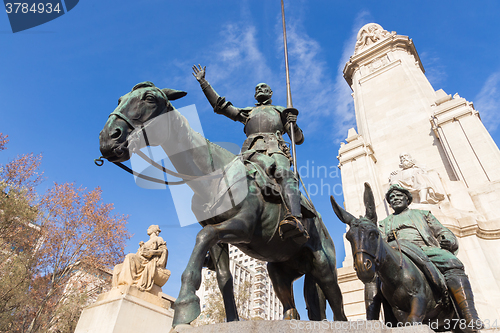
(289, 104)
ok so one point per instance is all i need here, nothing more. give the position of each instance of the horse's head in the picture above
(134, 109)
(363, 235)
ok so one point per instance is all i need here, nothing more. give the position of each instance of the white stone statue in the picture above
(425, 187)
(146, 267)
(368, 35)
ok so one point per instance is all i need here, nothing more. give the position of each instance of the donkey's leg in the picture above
(325, 273)
(282, 278)
(220, 255)
(315, 299)
(238, 229)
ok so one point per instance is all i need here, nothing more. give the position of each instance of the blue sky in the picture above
(59, 81)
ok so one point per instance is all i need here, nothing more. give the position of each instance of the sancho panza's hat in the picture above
(398, 187)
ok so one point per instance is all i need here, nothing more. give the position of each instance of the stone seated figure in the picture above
(145, 269)
(424, 186)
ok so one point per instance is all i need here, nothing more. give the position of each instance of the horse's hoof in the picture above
(291, 314)
(186, 310)
(180, 328)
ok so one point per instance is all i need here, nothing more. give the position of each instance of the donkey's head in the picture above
(134, 110)
(363, 235)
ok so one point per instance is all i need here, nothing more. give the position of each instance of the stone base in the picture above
(302, 326)
(126, 309)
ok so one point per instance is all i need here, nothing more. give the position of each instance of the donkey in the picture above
(400, 286)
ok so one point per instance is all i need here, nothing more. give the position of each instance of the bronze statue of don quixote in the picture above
(251, 200)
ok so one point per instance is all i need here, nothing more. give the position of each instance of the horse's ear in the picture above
(343, 215)
(173, 94)
(371, 212)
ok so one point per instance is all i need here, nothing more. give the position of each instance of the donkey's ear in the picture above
(173, 94)
(343, 215)
(371, 212)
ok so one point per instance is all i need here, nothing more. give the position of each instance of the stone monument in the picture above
(135, 302)
(397, 110)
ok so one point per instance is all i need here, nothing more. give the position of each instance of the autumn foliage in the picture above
(44, 239)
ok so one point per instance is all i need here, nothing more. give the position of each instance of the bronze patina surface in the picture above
(250, 224)
(408, 265)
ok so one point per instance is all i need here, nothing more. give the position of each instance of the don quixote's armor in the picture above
(265, 125)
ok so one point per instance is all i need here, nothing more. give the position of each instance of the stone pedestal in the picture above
(126, 309)
(302, 326)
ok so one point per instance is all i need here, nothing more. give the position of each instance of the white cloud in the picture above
(311, 85)
(435, 71)
(319, 92)
(239, 63)
(487, 103)
(344, 104)
(326, 100)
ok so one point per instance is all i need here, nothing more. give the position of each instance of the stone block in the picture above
(302, 326)
(127, 310)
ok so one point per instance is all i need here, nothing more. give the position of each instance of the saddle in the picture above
(231, 188)
(272, 191)
(434, 277)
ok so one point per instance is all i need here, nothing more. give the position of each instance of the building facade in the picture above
(249, 273)
(397, 112)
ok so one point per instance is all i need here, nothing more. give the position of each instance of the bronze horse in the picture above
(249, 223)
(401, 287)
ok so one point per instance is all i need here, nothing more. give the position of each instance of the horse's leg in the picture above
(389, 316)
(220, 255)
(282, 278)
(373, 300)
(238, 229)
(325, 273)
(315, 299)
(418, 306)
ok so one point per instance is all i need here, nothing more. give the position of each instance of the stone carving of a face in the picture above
(154, 229)
(406, 161)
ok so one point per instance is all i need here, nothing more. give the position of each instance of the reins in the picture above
(99, 161)
(399, 248)
(185, 178)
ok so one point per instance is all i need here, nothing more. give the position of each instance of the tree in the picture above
(214, 311)
(43, 240)
(18, 235)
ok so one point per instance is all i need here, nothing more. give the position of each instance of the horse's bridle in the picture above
(123, 117)
(185, 178)
(374, 256)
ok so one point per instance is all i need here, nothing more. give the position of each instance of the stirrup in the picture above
(291, 227)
